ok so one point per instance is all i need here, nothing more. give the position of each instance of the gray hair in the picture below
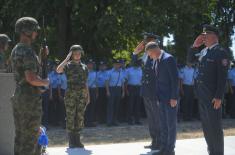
(151, 45)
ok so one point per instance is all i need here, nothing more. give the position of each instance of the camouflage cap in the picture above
(4, 39)
(26, 25)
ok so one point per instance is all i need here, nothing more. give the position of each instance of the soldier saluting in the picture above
(210, 85)
(26, 101)
(77, 94)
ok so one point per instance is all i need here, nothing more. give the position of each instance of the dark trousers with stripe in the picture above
(211, 121)
(90, 113)
(113, 104)
(134, 103)
(152, 111)
(101, 105)
(187, 102)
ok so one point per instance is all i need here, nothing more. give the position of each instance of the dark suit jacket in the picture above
(167, 86)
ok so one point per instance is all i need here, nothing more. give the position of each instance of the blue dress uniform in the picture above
(102, 98)
(90, 114)
(134, 77)
(231, 78)
(187, 78)
(115, 81)
(148, 92)
(62, 88)
(54, 102)
(167, 88)
(210, 84)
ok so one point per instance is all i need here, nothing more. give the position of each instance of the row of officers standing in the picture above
(115, 94)
(127, 105)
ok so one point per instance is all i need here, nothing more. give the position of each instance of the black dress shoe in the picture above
(148, 146)
(169, 153)
(161, 152)
(155, 147)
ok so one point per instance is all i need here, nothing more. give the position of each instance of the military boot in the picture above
(72, 142)
(78, 142)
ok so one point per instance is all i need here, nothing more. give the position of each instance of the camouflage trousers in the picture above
(75, 105)
(27, 119)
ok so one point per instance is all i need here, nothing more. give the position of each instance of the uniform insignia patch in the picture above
(224, 62)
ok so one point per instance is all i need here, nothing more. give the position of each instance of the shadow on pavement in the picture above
(77, 150)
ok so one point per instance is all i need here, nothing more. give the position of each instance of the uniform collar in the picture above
(212, 46)
(161, 55)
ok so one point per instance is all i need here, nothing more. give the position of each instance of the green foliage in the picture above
(112, 28)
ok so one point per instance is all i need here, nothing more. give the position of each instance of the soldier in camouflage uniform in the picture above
(26, 100)
(4, 40)
(77, 94)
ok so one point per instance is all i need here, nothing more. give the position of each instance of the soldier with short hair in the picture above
(26, 100)
(77, 94)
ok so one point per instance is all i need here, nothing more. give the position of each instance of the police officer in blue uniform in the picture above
(62, 88)
(90, 114)
(134, 77)
(148, 90)
(54, 96)
(210, 85)
(115, 91)
(187, 91)
(102, 98)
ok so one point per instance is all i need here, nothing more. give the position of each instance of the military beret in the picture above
(210, 29)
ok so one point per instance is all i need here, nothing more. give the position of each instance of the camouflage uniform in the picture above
(76, 96)
(4, 40)
(26, 101)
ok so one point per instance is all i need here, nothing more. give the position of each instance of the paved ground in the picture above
(183, 147)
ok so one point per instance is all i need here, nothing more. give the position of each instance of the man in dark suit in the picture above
(210, 85)
(148, 91)
(167, 89)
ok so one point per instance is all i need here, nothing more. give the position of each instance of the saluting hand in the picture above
(139, 48)
(199, 41)
(173, 103)
(69, 56)
(217, 103)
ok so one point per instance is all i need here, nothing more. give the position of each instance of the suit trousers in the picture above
(168, 123)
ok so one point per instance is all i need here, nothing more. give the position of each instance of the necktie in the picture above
(156, 66)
